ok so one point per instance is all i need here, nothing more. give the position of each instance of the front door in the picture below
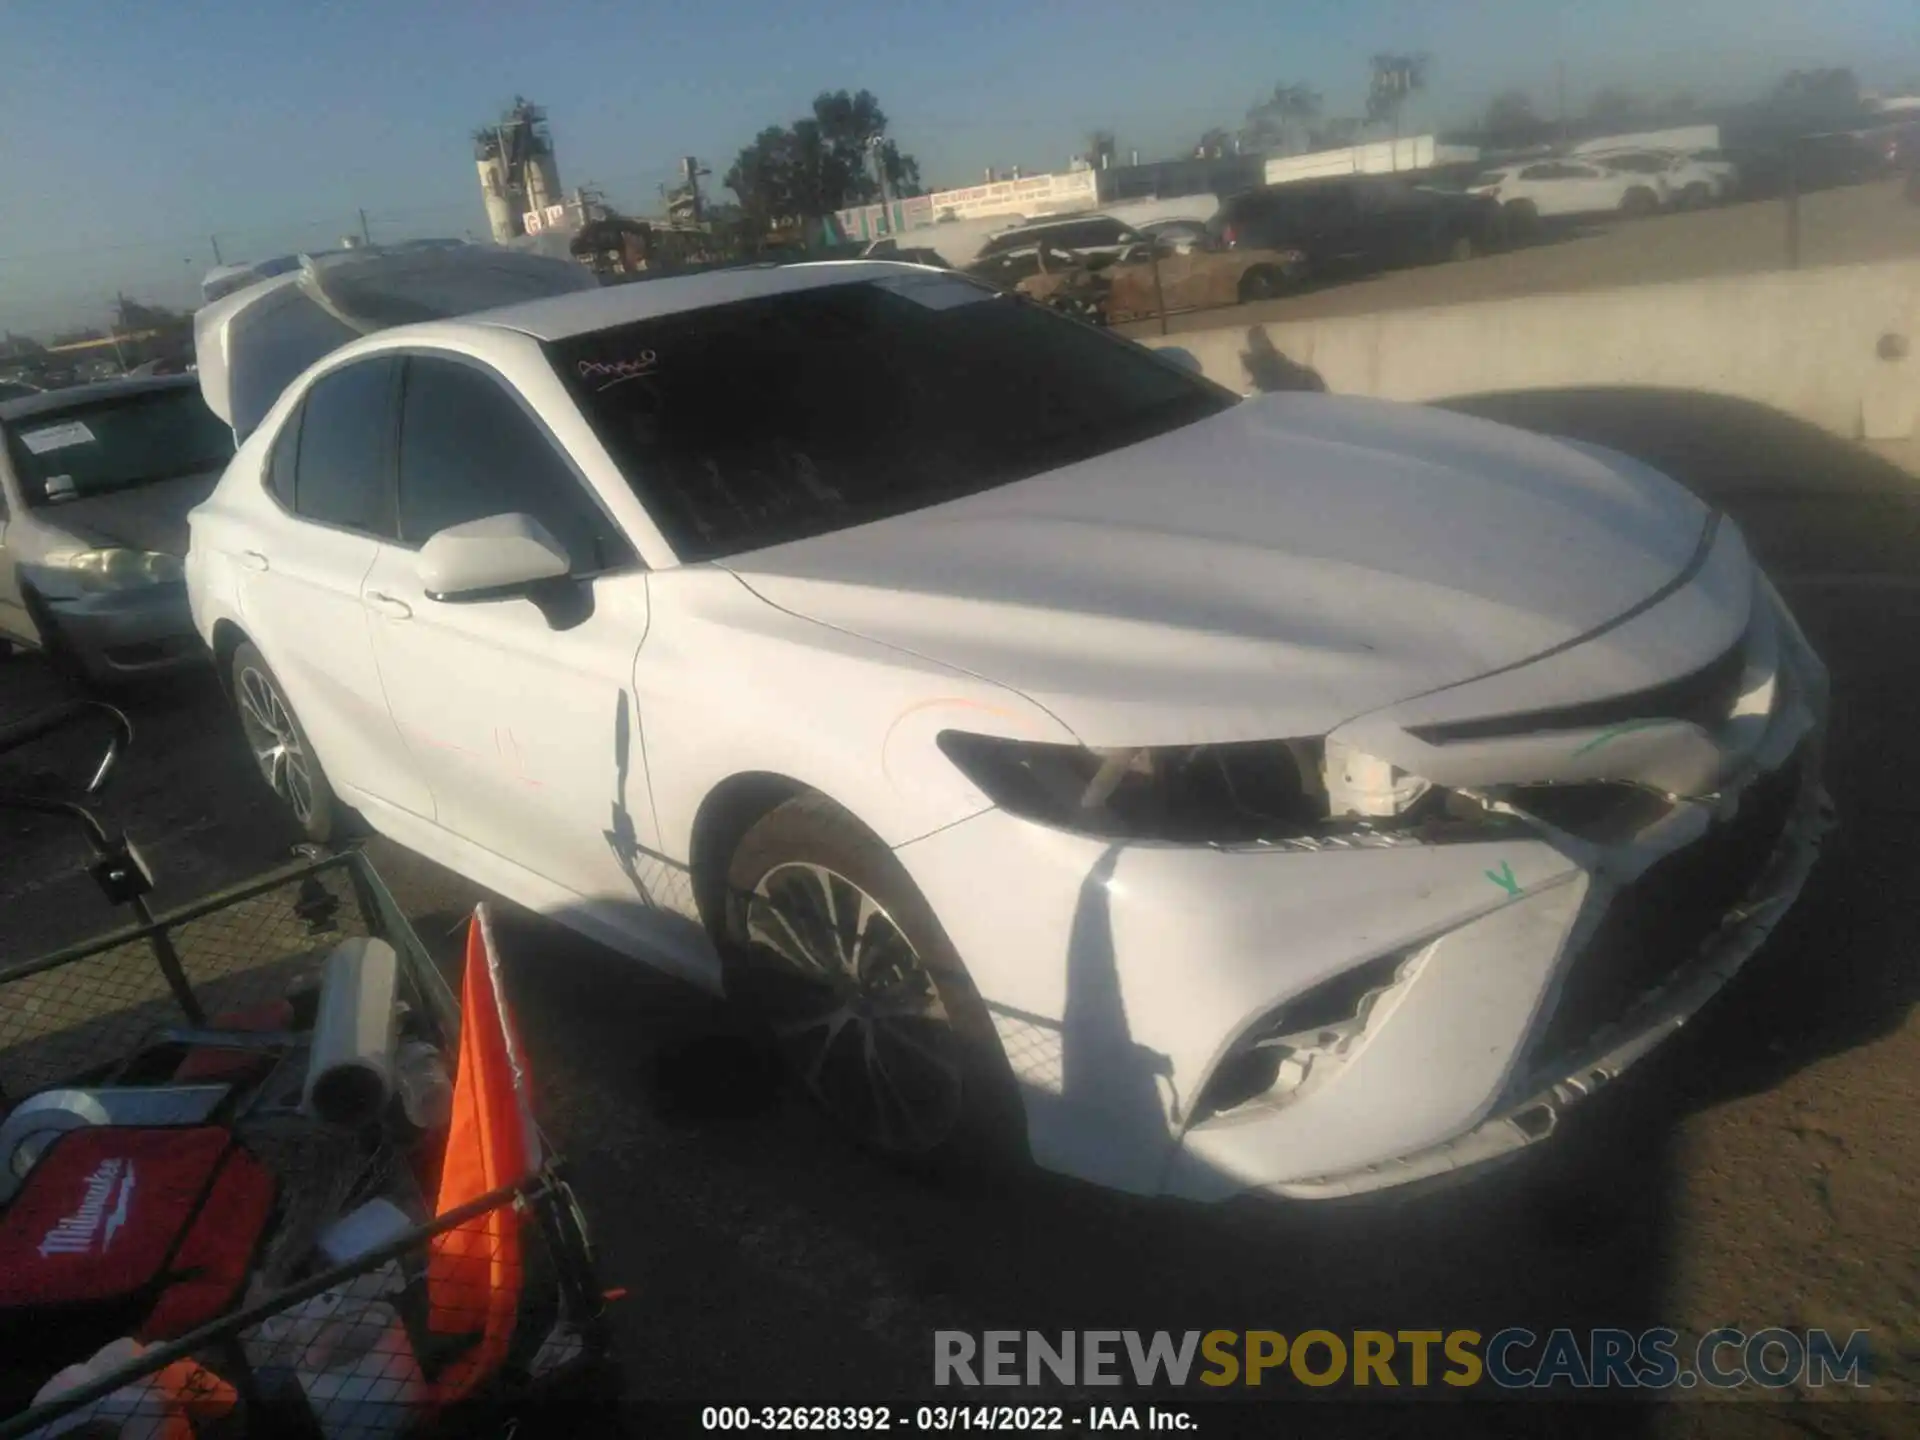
(521, 717)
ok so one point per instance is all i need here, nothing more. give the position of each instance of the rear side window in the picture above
(345, 470)
(283, 463)
(468, 449)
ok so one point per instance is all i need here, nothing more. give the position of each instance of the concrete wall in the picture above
(1812, 343)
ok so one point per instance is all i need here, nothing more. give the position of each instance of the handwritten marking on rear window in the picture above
(617, 372)
(56, 437)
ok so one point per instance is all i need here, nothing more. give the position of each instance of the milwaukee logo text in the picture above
(103, 1210)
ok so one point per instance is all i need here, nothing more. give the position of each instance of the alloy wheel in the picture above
(275, 742)
(855, 1008)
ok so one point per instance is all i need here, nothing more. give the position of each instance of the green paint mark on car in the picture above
(1605, 735)
(1503, 877)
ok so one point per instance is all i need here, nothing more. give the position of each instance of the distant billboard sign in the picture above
(550, 218)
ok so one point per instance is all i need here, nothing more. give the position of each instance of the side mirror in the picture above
(1185, 359)
(490, 558)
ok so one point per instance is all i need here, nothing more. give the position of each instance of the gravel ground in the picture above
(1837, 227)
(1760, 1170)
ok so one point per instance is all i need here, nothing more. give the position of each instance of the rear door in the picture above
(301, 574)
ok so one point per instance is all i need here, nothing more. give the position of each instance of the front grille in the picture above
(1661, 921)
(1705, 696)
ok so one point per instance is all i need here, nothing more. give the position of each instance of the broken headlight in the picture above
(1238, 793)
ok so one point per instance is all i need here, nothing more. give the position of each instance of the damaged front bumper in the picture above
(1332, 1016)
(1545, 1095)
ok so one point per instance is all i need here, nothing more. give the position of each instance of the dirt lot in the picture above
(1837, 227)
(1762, 1170)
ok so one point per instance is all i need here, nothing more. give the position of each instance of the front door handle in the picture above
(252, 560)
(391, 606)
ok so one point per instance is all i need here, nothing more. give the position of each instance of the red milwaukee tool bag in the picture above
(119, 1231)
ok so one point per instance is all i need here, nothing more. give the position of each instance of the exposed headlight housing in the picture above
(1244, 792)
(94, 572)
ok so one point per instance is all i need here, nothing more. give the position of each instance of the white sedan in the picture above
(1070, 758)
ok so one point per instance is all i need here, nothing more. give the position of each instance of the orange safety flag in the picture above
(475, 1270)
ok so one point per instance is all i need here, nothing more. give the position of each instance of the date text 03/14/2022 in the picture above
(938, 1419)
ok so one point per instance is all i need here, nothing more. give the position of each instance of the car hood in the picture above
(146, 517)
(1277, 569)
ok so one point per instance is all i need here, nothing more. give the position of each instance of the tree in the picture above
(1335, 134)
(821, 163)
(1615, 107)
(1511, 121)
(1285, 114)
(1395, 79)
(1812, 100)
(1214, 144)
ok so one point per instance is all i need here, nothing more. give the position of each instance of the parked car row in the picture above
(1190, 793)
(1257, 245)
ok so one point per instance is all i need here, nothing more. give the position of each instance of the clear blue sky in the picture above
(133, 130)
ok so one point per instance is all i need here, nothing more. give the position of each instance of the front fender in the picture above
(728, 683)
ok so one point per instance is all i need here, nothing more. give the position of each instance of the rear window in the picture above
(769, 420)
(117, 444)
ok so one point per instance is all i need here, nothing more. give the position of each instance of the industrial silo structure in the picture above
(518, 172)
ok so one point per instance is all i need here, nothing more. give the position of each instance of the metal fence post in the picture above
(1159, 298)
(1793, 207)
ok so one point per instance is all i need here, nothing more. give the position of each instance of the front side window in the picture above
(772, 419)
(468, 450)
(122, 443)
(345, 471)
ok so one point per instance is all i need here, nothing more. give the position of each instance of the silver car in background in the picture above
(95, 485)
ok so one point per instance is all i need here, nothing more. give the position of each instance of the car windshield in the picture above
(790, 415)
(117, 444)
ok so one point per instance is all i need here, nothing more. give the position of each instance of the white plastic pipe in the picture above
(350, 1075)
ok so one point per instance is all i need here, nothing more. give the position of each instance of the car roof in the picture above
(1034, 227)
(50, 402)
(561, 317)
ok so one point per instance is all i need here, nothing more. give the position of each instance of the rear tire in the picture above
(1696, 197)
(281, 751)
(829, 943)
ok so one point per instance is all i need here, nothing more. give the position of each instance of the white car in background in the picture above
(1556, 188)
(95, 485)
(1192, 794)
(1692, 179)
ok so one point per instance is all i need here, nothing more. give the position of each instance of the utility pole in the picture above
(215, 240)
(876, 147)
(365, 239)
(1562, 76)
(690, 168)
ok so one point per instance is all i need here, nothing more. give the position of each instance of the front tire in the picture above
(281, 751)
(1262, 282)
(1639, 201)
(830, 944)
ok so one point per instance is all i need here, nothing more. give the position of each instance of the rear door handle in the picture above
(252, 560)
(390, 606)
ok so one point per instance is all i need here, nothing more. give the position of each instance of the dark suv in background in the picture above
(1360, 223)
